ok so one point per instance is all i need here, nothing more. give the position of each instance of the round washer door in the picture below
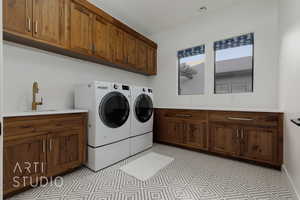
(143, 108)
(114, 109)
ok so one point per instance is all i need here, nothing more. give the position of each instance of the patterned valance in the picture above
(242, 40)
(191, 51)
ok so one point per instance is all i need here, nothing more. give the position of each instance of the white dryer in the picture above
(109, 107)
(141, 136)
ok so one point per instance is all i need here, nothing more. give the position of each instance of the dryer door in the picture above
(143, 108)
(114, 109)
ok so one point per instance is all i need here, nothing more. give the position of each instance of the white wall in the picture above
(290, 84)
(260, 17)
(57, 76)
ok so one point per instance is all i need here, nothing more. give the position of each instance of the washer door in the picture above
(143, 108)
(114, 109)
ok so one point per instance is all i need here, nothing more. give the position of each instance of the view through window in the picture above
(191, 71)
(234, 65)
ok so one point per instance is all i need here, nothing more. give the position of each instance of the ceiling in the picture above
(153, 16)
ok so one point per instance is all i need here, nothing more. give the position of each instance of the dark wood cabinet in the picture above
(81, 29)
(259, 143)
(195, 134)
(101, 38)
(37, 146)
(17, 16)
(224, 139)
(23, 158)
(249, 136)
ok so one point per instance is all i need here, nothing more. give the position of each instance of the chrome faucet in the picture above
(35, 90)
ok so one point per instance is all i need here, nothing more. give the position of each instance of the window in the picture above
(191, 78)
(234, 64)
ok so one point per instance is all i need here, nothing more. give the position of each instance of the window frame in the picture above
(215, 65)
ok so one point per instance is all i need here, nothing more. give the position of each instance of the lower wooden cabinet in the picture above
(64, 151)
(195, 134)
(23, 158)
(259, 143)
(224, 139)
(249, 136)
(48, 146)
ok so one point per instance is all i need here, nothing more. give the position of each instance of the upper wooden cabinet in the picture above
(152, 61)
(117, 41)
(48, 20)
(17, 16)
(101, 38)
(142, 53)
(130, 49)
(42, 19)
(81, 29)
(78, 29)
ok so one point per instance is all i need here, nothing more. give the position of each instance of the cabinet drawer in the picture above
(187, 114)
(246, 118)
(40, 124)
(71, 123)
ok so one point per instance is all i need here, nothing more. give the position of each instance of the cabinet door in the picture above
(81, 29)
(48, 20)
(130, 50)
(17, 16)
(101, 38)
(195, 134)
(23, 158)
(224, 139)
(142, 56)
(64, 151)
(151, 61)
(117, 43)
(170, 131)
(174, 131)
(259, 143)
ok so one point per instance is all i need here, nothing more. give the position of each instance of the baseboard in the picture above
(291, 181)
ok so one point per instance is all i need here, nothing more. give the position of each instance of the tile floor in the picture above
(191, 176)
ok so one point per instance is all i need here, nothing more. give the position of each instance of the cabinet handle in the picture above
(183, 115)
(237, 133)
(50, 145)
(44, 146)
(242, 132)
(36, 27)
(29, 24)
(240, 119)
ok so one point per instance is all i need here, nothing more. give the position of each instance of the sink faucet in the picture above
(35, 90)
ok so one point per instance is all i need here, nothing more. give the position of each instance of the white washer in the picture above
(109, 107)
(141, 120)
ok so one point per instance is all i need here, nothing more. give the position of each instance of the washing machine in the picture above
(109, 106)
(141, 136)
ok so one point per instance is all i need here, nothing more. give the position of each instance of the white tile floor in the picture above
(191, 176)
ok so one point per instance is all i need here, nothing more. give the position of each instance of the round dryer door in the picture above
(114, 109)
(143, 108)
